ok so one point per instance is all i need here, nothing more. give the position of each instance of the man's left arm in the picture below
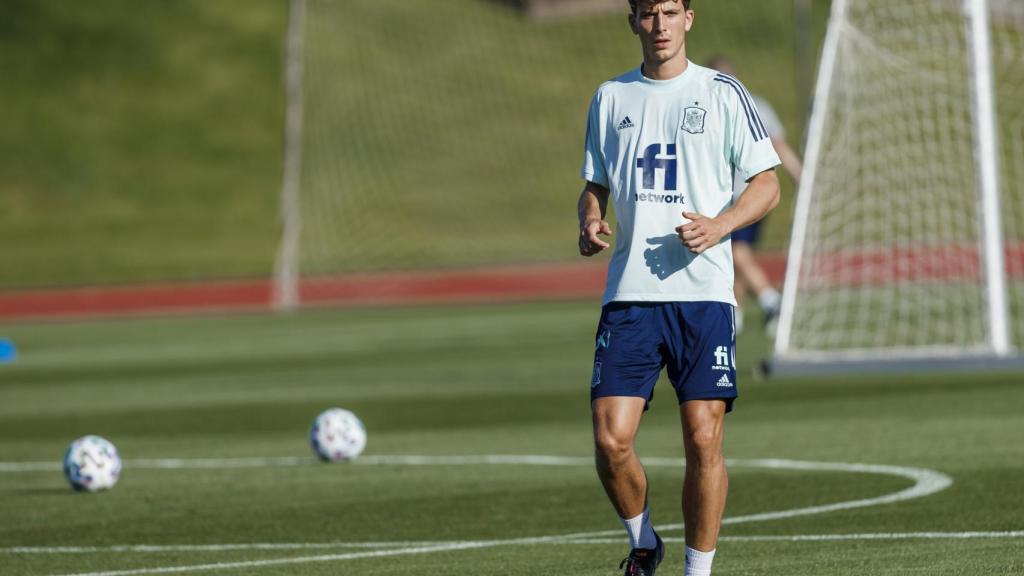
(758, 199)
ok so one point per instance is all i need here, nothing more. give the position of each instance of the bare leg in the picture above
(748, 271)
(707, 482)
(739, 287)
(616, 420)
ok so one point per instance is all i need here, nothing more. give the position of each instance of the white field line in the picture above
(926, 482)
(440, 547)
(829, 537)
(254, 546)
(144, 548)
(379, 460)
(452, 546)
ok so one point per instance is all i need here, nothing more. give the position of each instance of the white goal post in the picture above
(906, 251)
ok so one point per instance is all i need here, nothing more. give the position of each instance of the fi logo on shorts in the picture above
(722, 359)
(603, 340)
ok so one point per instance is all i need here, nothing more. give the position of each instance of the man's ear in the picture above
(631, 17)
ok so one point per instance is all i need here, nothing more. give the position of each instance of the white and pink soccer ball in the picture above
(337, 434)
(91, 464)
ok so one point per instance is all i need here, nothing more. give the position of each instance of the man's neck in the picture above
(666, 70)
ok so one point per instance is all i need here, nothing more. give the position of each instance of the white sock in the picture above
(640, 530)
(698, 563)
(769, 299)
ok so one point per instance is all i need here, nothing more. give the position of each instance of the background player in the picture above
(663, 143)
(750, 277)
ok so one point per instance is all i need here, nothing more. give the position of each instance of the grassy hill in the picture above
(141, 140)
(144, 141)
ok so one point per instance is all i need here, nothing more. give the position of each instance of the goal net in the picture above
(428, 127)
(908, 242)
(448, 134)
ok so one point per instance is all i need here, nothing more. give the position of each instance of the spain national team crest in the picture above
(693, 119)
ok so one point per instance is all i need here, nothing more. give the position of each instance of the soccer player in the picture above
(663, 143)
(749, 274)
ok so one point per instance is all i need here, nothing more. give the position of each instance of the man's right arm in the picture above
(591, 209)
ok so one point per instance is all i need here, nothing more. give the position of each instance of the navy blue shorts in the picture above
(747, 234)
(695, 340)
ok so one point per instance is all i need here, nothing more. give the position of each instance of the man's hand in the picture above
(590, 244)
(701, 232)
(591, 210)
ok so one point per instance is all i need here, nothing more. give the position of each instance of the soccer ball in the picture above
(337, 434)
(92, 463)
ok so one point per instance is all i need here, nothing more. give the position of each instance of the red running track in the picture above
(577, 280)
(583, 279)
(550, 281)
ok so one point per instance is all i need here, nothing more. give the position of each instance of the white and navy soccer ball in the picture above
(91, 463)
(337, 434)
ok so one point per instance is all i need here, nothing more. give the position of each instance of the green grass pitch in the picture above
(469, 381)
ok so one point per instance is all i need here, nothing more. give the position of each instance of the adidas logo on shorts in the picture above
(724, 382)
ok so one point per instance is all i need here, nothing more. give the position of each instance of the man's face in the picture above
(662, 27)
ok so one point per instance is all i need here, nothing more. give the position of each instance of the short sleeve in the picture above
(593, 155)
(749, 143)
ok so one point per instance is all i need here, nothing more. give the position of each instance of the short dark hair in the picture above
(633, 3)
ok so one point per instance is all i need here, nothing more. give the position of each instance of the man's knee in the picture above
(615, 425)
(703, 439)
(702, 435)
(613, 447)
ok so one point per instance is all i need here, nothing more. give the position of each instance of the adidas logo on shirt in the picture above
(724, 381)
(626, 123)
